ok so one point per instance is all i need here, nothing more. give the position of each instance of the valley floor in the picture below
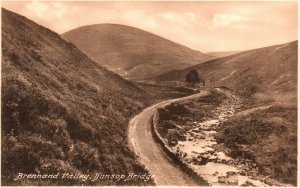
(204, 133)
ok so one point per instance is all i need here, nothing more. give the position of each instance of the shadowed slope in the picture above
(61, 111)
(131, 52)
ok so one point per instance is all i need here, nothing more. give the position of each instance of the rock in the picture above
(232, 181)
(201, 160)
(221, 179)
(254, 178)
(231, 162)
(247, 184)
(173, 143)
(243, 173)
(213, 159)
(230, 173)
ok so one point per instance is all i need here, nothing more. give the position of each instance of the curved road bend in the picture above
(150, 153)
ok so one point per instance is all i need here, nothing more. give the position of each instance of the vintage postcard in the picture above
(149, 93)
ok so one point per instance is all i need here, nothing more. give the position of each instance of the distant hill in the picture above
(61, 111)
(222, 54)
(266, 73)
(131, 52)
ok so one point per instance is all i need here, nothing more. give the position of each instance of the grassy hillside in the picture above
(61, 111)
(265, 131)
(267, 137)
(131, 52)
(268, 73)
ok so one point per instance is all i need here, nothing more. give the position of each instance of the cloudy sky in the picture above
(203, 25)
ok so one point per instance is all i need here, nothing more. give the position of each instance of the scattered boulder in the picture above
(173, 142)
(247, 184)
(232, 181)
(243, 173)
(222, 179)
(230, 173)
(213, 159)
(201, 160)
(223, 161)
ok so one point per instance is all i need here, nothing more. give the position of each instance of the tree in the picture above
(192, 77)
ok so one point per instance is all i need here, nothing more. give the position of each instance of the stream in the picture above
(199, 151)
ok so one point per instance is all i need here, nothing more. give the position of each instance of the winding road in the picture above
(150, 153)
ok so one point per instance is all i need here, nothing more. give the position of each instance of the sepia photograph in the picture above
(149, 93)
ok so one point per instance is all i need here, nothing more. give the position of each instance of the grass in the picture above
(267, 137)
(61, 112)
(139, 53)
(164, 91)
(270, 72)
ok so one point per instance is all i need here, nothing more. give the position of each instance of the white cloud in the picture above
(170, 16)
(179, 18)
(226, 19)
(38, 8)
(46, 10)
(203, 24)
(190, 17)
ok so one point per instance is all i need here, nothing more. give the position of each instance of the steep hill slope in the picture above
(131, 52)
(269, 73)
(61, 111)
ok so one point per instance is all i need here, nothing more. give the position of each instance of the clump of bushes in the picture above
(177, 109)
(243, 132)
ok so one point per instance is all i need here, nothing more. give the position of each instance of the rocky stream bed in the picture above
(209, 159)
